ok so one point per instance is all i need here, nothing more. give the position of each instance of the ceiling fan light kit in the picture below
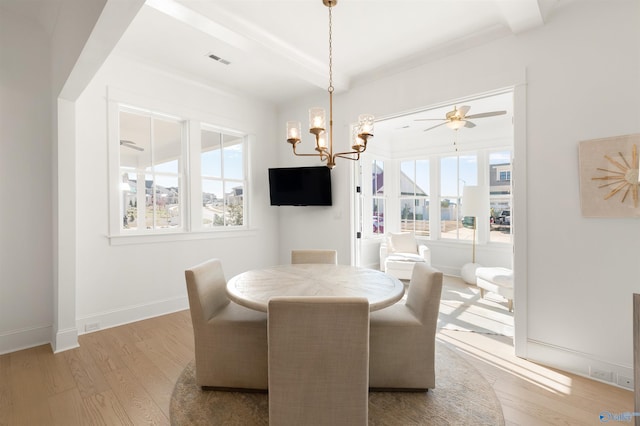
(455, 124)
(317, 121)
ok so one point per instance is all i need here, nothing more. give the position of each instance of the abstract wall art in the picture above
(609, 178)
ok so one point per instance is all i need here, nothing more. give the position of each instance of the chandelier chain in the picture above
(330, 52)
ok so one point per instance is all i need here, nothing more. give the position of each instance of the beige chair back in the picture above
(230, 340)
(318, 361)
(206, 290)
(425, 289)
(402, 336)
(314, 256)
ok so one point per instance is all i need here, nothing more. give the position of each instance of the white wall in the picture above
(582, 272)
(581, 70)
(126, 282)
(26, 265)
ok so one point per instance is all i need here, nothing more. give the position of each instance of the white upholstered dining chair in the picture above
(314, 256)
(230, 340)
(318, 361)
(402, 336)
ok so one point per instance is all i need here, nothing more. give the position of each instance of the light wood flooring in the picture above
(125, 375)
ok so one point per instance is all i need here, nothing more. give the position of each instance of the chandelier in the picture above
(317, 122)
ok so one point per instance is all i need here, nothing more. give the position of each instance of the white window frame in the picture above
(141, 175)
(191, 186)
(197, 221)
(414, 197)
(393, 197)
(368, 197)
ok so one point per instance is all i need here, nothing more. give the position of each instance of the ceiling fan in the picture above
(130, 144)
(458, 118)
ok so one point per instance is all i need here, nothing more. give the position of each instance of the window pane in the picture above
(407, 214)
(233, 163)
(167, 143)
(449, 176)
(211, 160)
(500, 196)
(378, 215)
(167, 206)
(414, 215)
(135, 140)
(211, 163)
(422, 177)
(421, 216)
(168, 167)
(407, 177)
(455, 173)
(234, 209)
(223, 173)
(129, 201)
(414, 202)
(377, 172)
(449, 217)
(150, 152)
(212, 203)
(468, 170)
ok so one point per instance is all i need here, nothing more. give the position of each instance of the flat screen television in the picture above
(300, 186)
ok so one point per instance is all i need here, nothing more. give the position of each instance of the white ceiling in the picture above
(278, 49)
(413, 135)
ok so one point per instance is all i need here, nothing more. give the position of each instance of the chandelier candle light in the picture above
(317, 122)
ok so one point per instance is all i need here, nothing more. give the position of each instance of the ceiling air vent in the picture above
(219, 59)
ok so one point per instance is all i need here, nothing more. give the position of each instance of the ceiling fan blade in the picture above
(487, 114)
(463, 110)
(437, 125)
(469, 124)
(130, 144)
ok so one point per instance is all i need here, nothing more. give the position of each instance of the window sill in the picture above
(119, 240)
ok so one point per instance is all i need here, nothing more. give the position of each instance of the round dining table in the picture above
(254, 288)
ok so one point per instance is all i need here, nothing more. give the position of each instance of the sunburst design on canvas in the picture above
(623, 180)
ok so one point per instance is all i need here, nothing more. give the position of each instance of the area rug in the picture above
(462, 308)
(461, 397)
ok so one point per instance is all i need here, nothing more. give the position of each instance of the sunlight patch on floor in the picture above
(502, 357)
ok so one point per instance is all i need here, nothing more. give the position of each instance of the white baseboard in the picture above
(130, 314)
(16, 340)
(579, 363)
(64, 340)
